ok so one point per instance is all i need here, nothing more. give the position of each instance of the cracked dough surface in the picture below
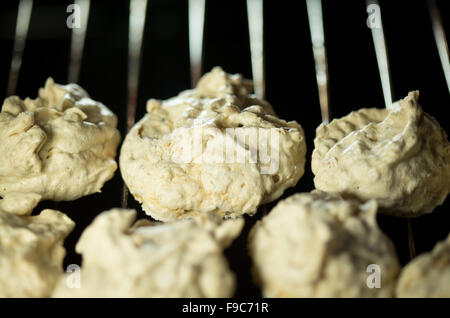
(319, 245)
(32, 252)
(398, 156)
(170, 188)
(428, 275)
(149, 259)
(60, 146)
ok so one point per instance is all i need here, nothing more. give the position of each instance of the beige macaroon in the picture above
(59, 146)
(399, 156)
(148, 259)
(428, 275)
(320, 245)
(31, 249)
(214, 149)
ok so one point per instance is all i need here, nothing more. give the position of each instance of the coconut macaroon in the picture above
(428, 275)
(148, 259)
(399, 156)
(214, 149)
(60, 146)
(320, 245)
(31, 250)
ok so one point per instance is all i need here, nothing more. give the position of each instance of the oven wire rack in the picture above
(196, 18)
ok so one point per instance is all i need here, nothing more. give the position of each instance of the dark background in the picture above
(291, 84)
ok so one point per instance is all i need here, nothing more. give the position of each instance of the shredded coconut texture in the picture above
(60, 146)
(172, 189)
(320, 245)
(149, 259)
(399, 156)
(32, 252)
(428, 275)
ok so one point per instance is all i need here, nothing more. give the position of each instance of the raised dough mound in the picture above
(32, 252)
(319, 245)
(60, 146)
(170, 189)
(428, 275)
(179, 259)
(398, 156)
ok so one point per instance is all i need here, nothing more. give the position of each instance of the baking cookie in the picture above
(31, 252)
(428, 275)
(19, 203)
(399, 156)
(214, 149)
(148, 259)
(60, 146)
(319, 245)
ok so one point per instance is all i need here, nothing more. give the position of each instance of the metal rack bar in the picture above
(22, 24)
(380, 50)
(315, 18)
(440, 38)
(196, 25)
(255, 14)
(137, 19)
(78, 40)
